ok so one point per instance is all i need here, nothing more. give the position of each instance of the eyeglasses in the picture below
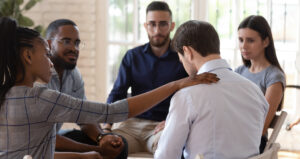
(68, 43)
(162, 25)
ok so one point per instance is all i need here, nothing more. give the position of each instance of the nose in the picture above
(243, 45)
(156, 29)
(74, 47)
(51, 64)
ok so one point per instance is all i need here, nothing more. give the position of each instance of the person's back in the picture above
(219, 121)
(231, 112)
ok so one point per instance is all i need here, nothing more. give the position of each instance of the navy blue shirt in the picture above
(143, 71)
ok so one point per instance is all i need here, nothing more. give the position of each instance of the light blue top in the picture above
(264, 78)
(220, 121)
(72, 83)
(28, 117)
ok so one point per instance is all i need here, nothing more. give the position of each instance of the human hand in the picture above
(159, 127)
(90, 155)
(203, 78)
(106, 127)
(111, 146)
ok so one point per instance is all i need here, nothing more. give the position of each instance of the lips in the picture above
(72, 56)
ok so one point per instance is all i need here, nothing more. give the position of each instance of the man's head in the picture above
(63, 38)
(195, 39)
(158, 23)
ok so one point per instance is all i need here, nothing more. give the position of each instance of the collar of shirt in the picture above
(147, 49)
(65, 74)
(213, 65)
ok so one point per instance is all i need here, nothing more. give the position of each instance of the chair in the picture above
(276, 125)
(271, 153)
(199, 157)
(140, 155)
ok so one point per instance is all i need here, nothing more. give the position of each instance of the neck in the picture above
(258, 65)
(27, 81)
(159, 51)
(202, 60)
(59, 71)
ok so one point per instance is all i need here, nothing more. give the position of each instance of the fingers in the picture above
(207, 78)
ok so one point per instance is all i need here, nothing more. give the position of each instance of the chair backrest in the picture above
(276, 124)
(199, 157)
(271, 153)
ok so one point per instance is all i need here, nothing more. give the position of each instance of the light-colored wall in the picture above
(89, 15)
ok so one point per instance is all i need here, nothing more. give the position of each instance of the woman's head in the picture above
(20, 49)
(257, 25)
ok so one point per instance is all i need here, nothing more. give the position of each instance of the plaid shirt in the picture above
(28, 117)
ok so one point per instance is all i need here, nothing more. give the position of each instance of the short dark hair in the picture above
(199, 35)
(52, 29)
(158, 6)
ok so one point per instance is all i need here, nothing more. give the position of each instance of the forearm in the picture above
(68, 155)
(66, 144)
(143, 102)
(273, 95)
(91, 130)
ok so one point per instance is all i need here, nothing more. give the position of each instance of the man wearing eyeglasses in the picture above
(145, 68)
(63, 38)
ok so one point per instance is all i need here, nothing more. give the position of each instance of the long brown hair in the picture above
(260, 25)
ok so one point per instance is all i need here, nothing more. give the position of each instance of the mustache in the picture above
(159, 35)
(74, 53)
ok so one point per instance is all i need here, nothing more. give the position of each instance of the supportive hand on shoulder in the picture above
(203, 78)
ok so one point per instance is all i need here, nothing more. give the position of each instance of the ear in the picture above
(49, 43)
(266, 42)
(187, 52)
(145, 26)
(172, 26)
(27, 56)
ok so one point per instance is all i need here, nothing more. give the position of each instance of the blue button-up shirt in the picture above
(143, 71)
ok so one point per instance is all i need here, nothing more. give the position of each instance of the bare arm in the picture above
(75, 155)
(66, 144)
(273, 95)
(91, 130)
(143, 102)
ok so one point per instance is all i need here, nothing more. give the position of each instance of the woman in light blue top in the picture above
(261, 65)
(28, 113)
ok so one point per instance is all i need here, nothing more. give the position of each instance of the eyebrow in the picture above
(153, 21)
(66, 38)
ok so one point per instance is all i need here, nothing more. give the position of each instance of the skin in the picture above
(37, 63)
(64, 57)
(252, 48)
(159, 38)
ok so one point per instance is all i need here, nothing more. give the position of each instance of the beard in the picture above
(61, 63)
(158, 43)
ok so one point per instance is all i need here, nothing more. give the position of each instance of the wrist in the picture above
(106, 130)
(99, 137)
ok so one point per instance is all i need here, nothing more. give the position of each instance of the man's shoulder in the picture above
(75, 72)
(138, 49)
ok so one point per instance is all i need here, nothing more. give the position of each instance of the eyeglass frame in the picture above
(152, 25)
(67, 42)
